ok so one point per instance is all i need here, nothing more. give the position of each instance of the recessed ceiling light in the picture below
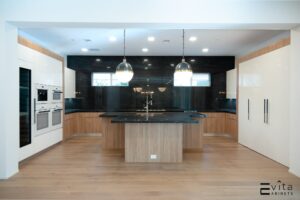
(146, 68)
(192, 60)
(84, 49)
(192, 38)
(151, 39)
(172, 64)
(149, 64)
(145, 50)
(205, 50)
(145, 60)
(148, 85)
(108, 67)
(98, 59)
(112, 38)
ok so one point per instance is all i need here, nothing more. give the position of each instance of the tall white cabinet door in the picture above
(276, 92)
(250, 83)
(267, 88)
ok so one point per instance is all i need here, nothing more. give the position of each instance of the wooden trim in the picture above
(267, 49)
(36, 47)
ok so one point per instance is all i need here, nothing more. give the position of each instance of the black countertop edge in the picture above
(185, 114)
(70, 111)
(155, 121)
(165, 117)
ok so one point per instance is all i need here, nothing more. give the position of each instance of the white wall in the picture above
(295, 103)
(70, 83)
(153, 12)
(9, 101)
(45, 70)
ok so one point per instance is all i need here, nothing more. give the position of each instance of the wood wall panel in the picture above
(113, 134)
(36, 47)
(193, 136)
(231, 125)
(162, 139)
(267, 49)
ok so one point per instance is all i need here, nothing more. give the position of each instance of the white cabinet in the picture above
(69, 83)
(231, 79)
(263, 104)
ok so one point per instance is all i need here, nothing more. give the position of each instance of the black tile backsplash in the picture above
(160, 73)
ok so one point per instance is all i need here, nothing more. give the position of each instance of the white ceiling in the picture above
(69, 41)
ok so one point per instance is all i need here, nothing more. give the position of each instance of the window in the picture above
(197, 80)
(106, 79)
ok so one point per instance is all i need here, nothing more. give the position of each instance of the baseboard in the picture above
(88, 134)
(217, 134)
(294, 173)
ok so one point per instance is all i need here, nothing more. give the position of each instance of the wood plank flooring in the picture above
(79, 169)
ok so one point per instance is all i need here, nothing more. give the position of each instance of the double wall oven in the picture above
(48, 108)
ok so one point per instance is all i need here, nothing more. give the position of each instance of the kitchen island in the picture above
(153, 137)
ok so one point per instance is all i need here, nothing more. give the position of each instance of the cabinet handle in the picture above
(264, 110)
(267, 111)
(248, 109)
(34, 108)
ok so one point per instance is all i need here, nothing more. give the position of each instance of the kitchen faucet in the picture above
(148, 102)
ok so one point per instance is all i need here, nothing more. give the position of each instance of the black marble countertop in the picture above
(153, 117)
(69, 111)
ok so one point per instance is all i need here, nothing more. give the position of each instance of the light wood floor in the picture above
(78, 169)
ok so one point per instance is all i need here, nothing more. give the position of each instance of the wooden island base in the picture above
(162, 141)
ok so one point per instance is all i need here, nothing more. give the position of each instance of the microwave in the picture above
(42, 93)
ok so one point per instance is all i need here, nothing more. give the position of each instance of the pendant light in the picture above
(183, 70)
(124, 70)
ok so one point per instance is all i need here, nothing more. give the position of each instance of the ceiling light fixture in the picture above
(84, 49)
(124, 70)
(145, 50)
(145, 60)
(98, 60)
(192, 60)
(112, 38)
(205, 50)
(151, 39)
(192, 38)
(183, 70)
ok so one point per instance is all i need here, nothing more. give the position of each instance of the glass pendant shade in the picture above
(124, 72)
(183, 70)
